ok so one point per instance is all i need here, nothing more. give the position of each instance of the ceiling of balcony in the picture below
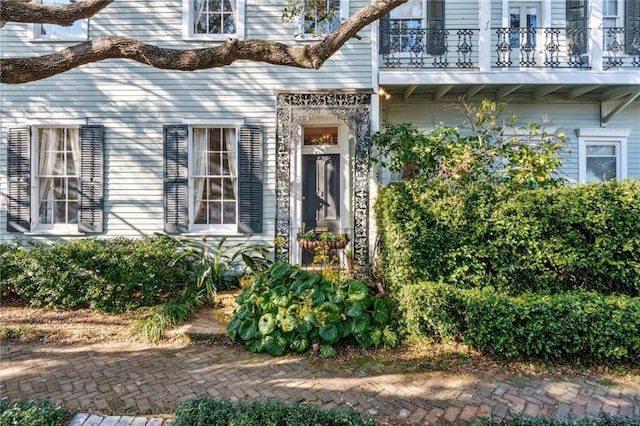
(615, 97)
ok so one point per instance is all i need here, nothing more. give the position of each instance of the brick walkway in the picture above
(124, 379)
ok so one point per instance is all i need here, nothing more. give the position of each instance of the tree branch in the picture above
(36, 13)
(26, 69)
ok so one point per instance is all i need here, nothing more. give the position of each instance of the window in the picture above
(212, 19)
(57, 165)
(577, 34)
(621, 23)
(602, 154)
(77, 31)
(523, 21)
(415, 27)
(213, 179)
(320, 17)
(55, 179)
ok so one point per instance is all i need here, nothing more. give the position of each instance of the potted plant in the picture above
(312, 240)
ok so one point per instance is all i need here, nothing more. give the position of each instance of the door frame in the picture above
(343, 148)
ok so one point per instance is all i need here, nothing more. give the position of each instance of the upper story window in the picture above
(320, 17)
(621, 23)
(77, 31)
(602, 154)
(414, 26)
(212, 19)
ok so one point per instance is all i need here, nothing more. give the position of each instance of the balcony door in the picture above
(523, 22)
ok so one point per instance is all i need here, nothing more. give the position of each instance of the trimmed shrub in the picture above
(577, 325)
(518, 241)
(604, 420)
(204, 411)
(32, 413)
(111, 275)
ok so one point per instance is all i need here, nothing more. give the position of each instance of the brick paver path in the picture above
(130, 379)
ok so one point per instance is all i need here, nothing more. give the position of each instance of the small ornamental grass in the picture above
(204, 411)
(287, 308)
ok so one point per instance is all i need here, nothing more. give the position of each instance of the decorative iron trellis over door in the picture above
(354, 109)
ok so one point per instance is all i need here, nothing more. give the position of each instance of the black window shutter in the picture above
(436, 36)
(632, 27)
(577, 26)
(384, 25)
(176, 218)
(91, 216)
(19, 174)
(250, 180)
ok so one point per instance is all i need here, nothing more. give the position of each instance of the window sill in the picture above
(214, 234)
(56, 40)
(212, 38)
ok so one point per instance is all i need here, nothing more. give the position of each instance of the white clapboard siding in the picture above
(133, 101)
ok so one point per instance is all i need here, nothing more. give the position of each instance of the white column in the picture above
(597, 35)
(484, 39)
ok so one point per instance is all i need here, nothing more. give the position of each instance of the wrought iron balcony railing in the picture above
(541, 47)
(428, 48)
(403, 46)
(621, 47)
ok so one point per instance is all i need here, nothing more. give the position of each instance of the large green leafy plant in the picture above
(286, 308)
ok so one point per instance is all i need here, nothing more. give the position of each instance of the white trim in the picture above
(187, 24)
(213, 122)
(601, 136)
(600, 132)
(56, 122)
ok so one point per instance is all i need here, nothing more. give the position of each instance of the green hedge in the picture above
(576, 325)
(536, 240)
(32, 413)
(110, 275)
(604, 420)
(204, 411)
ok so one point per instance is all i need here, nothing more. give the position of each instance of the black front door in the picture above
(320, 194)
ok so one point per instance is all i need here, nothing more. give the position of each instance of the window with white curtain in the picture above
(213, 19)
(57, 166)
(77, 31)
(214, 178)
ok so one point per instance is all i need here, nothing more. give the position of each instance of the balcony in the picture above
(509, 48)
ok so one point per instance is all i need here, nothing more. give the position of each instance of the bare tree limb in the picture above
(36, 13)
(26, 69)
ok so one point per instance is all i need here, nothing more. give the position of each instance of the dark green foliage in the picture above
(204, 411)
(286, 308)
(604, 420)
(31, 413)
(579, 325)
(110, 275)
(542, 240)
